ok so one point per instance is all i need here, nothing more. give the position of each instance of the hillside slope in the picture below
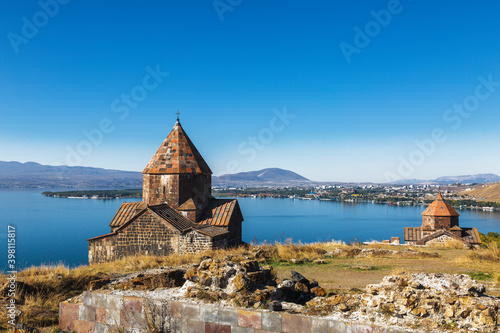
(484, 193)
(261, 177)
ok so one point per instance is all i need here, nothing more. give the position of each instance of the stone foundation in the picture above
(100, 312)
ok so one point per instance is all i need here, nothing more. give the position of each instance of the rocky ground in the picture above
(420, 301)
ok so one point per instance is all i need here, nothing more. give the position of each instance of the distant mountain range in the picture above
(481, 178)
(264, 177)
(31, 174)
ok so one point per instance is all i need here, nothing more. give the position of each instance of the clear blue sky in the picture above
(362, 80)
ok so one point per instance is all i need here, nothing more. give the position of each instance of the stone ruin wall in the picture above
(100, 312)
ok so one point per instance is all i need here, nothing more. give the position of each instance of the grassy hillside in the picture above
(484, 193)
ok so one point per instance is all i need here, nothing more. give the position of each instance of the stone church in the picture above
(440, 224)
(178, 213)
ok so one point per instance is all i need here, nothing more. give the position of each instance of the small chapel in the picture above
(439, 225)
(177, 214)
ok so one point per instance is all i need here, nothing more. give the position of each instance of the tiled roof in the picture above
(412, 234)
(102, 236)
(471, 235)
(219, 212)
(173, 217)
(177, 154)
(440, 208)
(190, 204)
(437, 234)
(127, 211)
(210, 230)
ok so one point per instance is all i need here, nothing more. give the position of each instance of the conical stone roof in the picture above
(177, 154)
(440, 208)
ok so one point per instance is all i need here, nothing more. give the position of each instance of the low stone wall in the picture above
(101, 312)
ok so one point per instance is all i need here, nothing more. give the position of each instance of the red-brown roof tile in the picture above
(177, 154)
(220, 211)
(126, 212)
(440, 208)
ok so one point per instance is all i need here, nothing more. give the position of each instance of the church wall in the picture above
(234, 233)
(443, 240)
(102, 250)
(440, 222)
(193, 242)
(175, 189)
(221, 242)
(158, 189)
(195, 186)
(147, 235)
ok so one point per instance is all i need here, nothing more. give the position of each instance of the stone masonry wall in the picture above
(147, 235)
(100, 312)
(442, 240)
(440, 222)
(193, 242)
(102, 250)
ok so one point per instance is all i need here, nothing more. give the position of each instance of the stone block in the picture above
(209, 313)
(358, 328)
(192, 326)
(228, 316)
(191, 311)
(112, 302)
(82, 312)
(100, 315)
(320, 325)
(251, 319)
(91, 314)
(83, 326)
(96, 300)
(398, 330)
(113, 318)
(295, 323)
(238, 329)
(175, 309)
(101, 328)
(132, 315)
(217, 328)
(69, 314)
(271, 321)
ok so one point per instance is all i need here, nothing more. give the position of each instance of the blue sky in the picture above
(335, 90)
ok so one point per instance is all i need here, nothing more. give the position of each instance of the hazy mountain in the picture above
(479, 178)
(446, 180)
(31, 174)
(264, 177)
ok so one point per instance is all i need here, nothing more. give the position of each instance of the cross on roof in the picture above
(177, 113)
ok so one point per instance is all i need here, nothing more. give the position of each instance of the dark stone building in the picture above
(439, 225)
(177, 214)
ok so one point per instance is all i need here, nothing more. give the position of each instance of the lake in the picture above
(53, 230)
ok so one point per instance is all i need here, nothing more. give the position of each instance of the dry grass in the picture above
(46, 286)
(490, 253)
(450, 244)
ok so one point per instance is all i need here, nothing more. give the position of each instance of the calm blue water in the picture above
(53, 230)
